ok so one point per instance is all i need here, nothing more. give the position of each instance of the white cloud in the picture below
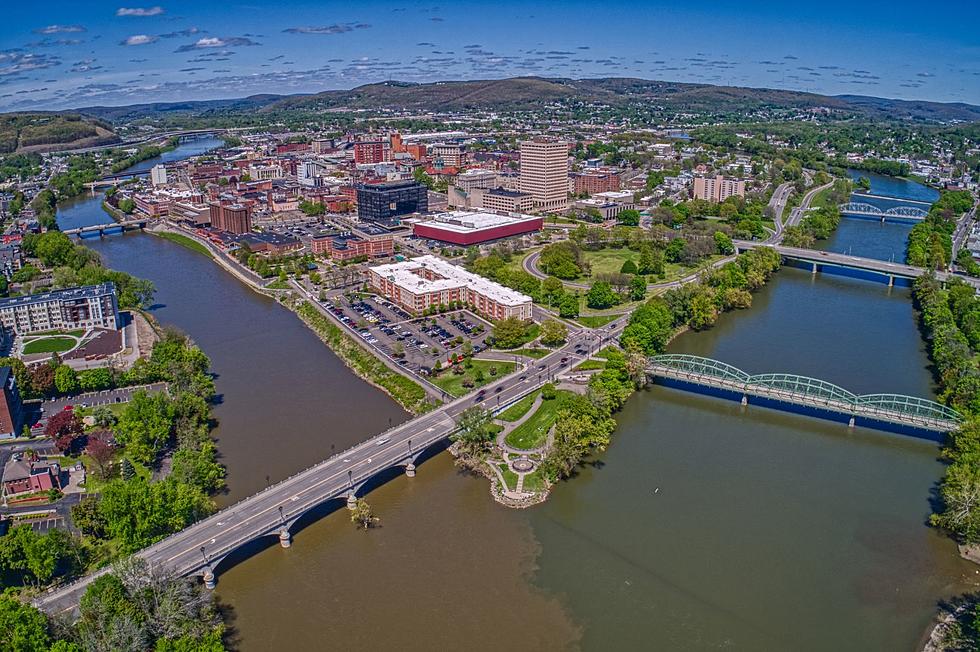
(59, 29)
(139, 11)
(140, 39)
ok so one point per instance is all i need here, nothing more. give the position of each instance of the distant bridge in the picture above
(897, 212)
(101, 229)
(819, 395)
(901, 199)
(888, 271)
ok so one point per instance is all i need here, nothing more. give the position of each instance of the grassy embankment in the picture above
(408, 393)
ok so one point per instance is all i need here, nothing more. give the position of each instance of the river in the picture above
(702, 527)
(870, 237)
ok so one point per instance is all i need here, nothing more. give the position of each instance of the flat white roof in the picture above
(470, 221)
(404, 275)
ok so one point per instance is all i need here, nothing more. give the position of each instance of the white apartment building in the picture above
(544, 172)
(158, 175)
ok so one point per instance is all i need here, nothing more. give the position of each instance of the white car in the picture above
(383, 441)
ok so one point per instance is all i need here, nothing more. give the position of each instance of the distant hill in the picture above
(44, 132)
(528, 93)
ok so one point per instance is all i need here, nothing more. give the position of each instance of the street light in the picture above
(281, 517)
(206, 560)
(350, 478)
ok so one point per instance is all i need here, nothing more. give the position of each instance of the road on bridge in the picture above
(259, 515)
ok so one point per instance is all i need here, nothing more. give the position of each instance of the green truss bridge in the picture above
(818, 395)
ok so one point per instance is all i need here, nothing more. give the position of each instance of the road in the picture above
(259, 515)
(854, 262)
(780, 196)
(963, 228)
(797, 213)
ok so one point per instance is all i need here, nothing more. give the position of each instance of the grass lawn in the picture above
(609, 261)
(510, 478)
(453, 383)
(531, 333)
(536, 353)
(184, 241)
(75, 333)
(519, 409)
(596, 321)
(606, 350)
(822, 198)
(591, 364)
(535, 481)
(49, 345)
(533, 432)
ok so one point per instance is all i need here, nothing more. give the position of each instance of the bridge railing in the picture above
(808, 390)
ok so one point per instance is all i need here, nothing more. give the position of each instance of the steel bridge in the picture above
(807, 392)
(898, 212)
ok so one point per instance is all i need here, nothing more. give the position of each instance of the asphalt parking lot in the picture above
(422, 340)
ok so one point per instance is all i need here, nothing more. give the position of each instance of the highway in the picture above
(963, 228)
(259, 515)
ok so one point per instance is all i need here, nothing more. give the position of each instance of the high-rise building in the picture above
(718, 189)
(369, 152)
(544, 172)
(447, 155)
(158, 175)
(384, 203)
(231, 217)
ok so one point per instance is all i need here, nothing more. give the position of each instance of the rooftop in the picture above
(467, 221)
(68, 294)
(405, 275)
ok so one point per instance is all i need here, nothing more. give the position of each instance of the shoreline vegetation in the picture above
(950, 322)
(582, 424)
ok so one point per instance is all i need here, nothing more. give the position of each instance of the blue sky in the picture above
(58, 54)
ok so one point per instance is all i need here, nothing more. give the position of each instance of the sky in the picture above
(56, 54)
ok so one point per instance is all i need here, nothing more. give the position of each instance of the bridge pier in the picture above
(210, 581)
(850, 423)
(891, 280)
(285, 540)
(814, 268)
(410, 470)
(351, 501)
(745, 400)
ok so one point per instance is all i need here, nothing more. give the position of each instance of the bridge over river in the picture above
(275, 512)
(903, 213)
(819, 396)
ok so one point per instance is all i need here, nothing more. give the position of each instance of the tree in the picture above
(553, 332)
(509, 333)
(145, 425)
(54, 248)
(552, 290)
(42, 380)
(548, 391)
(600, 296)
(723, 243)
(65, 428)
(66, 380)
(127, 205)
(568, 307)
(199, 467)
(93, 380)
(474, 435)
(638, 288)
(651, 261)
(362, 515)
(22, 627)
(629, 267)
(629, 217)
(100, 451)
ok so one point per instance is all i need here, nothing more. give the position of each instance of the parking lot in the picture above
(416, 343)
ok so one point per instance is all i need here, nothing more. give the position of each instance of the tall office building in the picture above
(231, 217)
(158, 175)
(385, 203)
(544, 172)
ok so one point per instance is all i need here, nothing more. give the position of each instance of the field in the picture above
(519, 409)
(184, 241)
(54, 344)
(453, 383)
(533, 432)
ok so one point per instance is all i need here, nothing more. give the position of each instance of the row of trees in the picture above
(951, 320)
(698, 305)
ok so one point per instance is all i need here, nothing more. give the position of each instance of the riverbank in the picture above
(405, 391)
